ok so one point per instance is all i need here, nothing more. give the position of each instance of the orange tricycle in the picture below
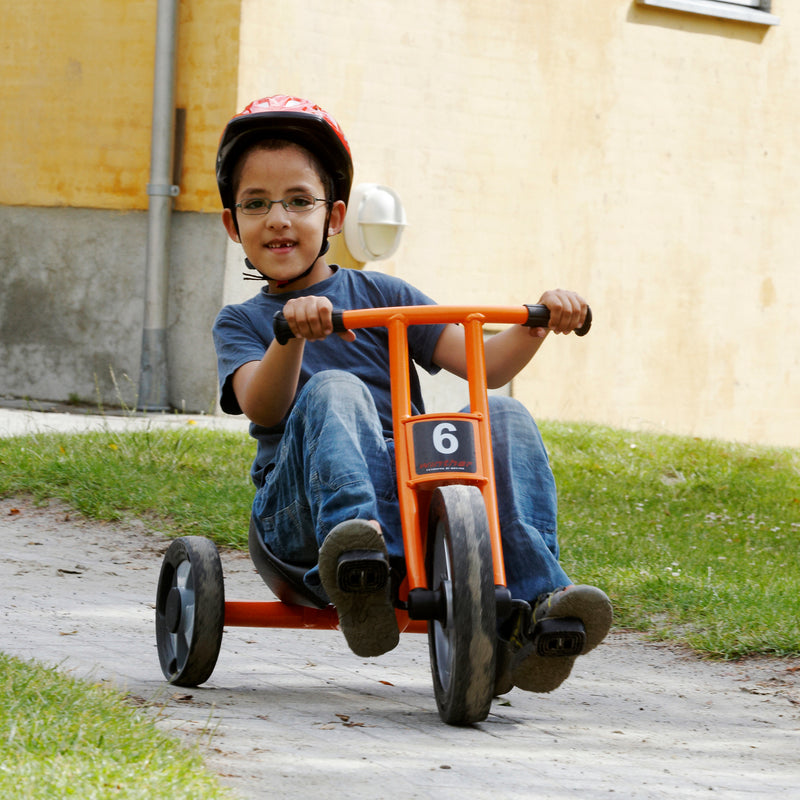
(454, 586)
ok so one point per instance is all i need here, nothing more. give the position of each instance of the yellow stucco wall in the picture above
(644, 157)
(76, 85)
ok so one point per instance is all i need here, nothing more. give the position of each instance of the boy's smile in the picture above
(283, 244)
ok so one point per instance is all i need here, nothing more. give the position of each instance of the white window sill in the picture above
(713, 8)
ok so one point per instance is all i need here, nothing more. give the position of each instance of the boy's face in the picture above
(282, 244)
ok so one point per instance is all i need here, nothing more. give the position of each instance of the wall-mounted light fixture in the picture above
(374, 222)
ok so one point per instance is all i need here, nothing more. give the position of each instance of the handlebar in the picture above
(531, 316)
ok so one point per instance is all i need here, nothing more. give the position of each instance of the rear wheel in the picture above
(462, 640)
(190, 610)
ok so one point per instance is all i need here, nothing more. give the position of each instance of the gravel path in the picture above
(293, 714)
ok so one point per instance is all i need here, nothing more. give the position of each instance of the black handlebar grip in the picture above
(281, 329)
(338, 322)
(283, 333)
(539, 317)
(587, 323)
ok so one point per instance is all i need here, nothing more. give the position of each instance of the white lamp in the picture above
(374, 222)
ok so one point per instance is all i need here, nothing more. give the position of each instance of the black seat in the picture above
(285, 580)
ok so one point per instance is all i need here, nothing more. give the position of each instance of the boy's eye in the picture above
(299, 202)
(255, 204)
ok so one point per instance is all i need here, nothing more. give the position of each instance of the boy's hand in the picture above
(311, 318)
(567, 312)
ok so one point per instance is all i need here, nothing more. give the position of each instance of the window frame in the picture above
(755, 11)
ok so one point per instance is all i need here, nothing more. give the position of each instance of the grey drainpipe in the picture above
(153, 377)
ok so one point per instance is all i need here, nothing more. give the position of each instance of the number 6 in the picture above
(443, 439)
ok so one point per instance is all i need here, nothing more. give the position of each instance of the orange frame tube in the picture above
(396, 320)
(274, 614)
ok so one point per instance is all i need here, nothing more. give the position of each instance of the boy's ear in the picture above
(338, 210)
(230, 225)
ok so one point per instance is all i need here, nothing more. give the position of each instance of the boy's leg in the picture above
(527, 504)
(526, 498)
(333, 468)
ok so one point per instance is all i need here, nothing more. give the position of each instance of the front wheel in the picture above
(190, 610)
(462, 640)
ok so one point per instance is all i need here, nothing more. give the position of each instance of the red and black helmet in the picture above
(291, 119)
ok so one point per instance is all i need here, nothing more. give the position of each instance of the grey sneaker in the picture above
(565, 624)
(354, 570)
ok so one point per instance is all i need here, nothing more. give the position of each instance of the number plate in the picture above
(444, 446)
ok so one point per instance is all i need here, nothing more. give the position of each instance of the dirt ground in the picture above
(293, 714)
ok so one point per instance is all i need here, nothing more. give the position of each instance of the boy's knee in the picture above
(501, 402)
(335, 385)
(509, 408)
(512, 422)
(336, 380)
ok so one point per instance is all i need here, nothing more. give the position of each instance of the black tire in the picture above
(190, 610)
(462, 645)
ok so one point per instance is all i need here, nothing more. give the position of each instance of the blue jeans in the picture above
(334, 464)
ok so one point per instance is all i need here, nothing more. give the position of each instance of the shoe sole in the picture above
(535, 673)
(367, 619)
(588, 604)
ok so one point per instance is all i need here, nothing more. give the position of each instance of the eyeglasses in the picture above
(294, 204)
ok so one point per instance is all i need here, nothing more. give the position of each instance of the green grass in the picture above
(185, 481)
(62, 738)
(695, 541)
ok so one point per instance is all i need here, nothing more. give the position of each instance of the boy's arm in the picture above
(265, 389)
(510, 350)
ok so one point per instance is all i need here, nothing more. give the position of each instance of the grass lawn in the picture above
(61, 737)
(695, 541)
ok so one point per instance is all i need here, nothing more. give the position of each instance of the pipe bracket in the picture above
(163, 190)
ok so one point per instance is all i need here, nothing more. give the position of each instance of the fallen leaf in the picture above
(136, 699)
(14, 511)
(386, 683)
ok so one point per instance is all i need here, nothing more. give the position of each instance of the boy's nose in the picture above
(277, 216)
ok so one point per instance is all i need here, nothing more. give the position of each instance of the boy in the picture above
(320, 405)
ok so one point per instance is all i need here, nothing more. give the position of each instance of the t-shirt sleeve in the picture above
(236, 343)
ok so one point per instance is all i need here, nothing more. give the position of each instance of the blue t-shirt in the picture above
(243, 332)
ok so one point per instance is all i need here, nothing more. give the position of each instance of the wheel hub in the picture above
(173, 613)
